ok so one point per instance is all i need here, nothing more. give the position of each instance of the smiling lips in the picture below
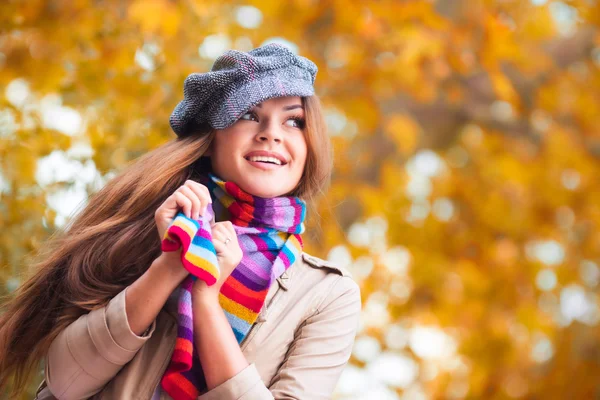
(264, 165)
(265, 160)
(272, 160)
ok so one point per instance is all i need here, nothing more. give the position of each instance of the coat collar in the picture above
(287, 278)
(317, 262)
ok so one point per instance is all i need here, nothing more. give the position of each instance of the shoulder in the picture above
(327, 266)
(336, 282)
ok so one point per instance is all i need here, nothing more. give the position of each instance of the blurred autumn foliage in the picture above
(465, 197)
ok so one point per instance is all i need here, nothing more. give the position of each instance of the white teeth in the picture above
(265, 159)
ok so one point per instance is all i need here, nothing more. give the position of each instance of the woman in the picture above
(223, 303)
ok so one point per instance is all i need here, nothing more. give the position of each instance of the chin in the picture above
(266, 190)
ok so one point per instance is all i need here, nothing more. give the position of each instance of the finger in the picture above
(168, 209)
(192, 182)
(219, 226)
(223, 224)
(227, 228)
(220, 248)
(231, 229)
(201, 192)
(205, 190)
(184, 203)
(220, 235)
(196, 204)
(217, 235)
(199, 188)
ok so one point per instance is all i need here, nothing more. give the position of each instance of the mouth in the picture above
(265, 163)
(265, 160)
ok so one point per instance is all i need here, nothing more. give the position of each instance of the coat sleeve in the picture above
(90, 351)
(316, 357)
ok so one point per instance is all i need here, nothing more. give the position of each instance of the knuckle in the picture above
(203, 187)
(205, 190)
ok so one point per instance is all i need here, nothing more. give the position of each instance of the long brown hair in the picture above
(85, 264)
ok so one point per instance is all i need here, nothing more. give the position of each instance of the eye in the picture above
(251, 114)
(300, 122)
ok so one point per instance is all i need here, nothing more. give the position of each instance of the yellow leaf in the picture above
(404, 131)
(155, 16)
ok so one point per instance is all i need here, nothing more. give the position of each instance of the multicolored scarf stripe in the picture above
(287, 213)
(199, 256)
(268, 231)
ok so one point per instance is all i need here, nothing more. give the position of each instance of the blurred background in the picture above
(465, 197)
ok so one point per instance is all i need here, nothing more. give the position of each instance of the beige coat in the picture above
(296, 349)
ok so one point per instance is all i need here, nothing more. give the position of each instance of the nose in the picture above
(271, 132)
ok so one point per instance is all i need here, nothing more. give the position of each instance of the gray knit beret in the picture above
(238, 81)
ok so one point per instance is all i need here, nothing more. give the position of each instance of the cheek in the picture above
(301, 150)
(224, 143)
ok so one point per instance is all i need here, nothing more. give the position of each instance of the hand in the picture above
(228, 255)
(192, 197)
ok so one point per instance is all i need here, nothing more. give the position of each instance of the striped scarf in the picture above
(268, 231)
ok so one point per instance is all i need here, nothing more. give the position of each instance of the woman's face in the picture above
(264, 152)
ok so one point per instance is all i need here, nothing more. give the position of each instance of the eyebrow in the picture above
(286, 108)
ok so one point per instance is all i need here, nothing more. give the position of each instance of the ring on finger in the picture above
(227, 240)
